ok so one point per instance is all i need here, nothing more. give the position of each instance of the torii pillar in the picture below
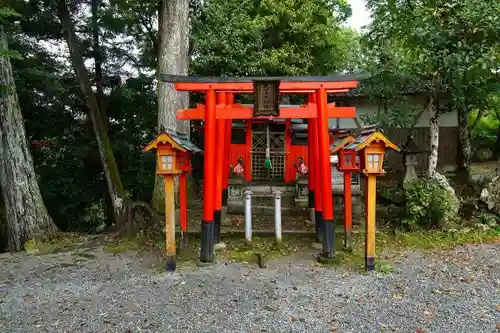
(219, 171)
(325, 176)
(209, 177)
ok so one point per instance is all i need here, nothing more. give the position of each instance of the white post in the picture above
(277, 215)
(248, 216)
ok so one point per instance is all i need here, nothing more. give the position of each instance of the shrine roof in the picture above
(177, 139)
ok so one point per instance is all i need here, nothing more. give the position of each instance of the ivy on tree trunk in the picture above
(26, 215)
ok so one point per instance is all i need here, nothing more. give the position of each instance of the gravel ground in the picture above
(453, 291)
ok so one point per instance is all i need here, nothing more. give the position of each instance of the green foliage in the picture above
(401, 114)
(94, 216)
(447, 49)
(428, 205)
(269, 37)
(491, 220)
(7, 13)
(484, 134)
(485, 124)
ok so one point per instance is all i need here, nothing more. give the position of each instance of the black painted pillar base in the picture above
(171, 264)
(224, 197)
(328, 239)
(217, 217)
(370, 264)
(310, 198)
(318, 221)
(207, 242)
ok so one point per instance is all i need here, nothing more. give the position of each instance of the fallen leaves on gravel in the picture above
(397, 296)
(420, 330)
(469, 279)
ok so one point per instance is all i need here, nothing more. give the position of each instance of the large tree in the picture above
(173, 51)
(26, 215)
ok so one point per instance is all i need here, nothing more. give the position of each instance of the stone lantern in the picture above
(410, 153)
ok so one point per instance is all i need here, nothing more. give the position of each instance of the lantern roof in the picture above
(371, 135)
(341, 140)
(178, 140)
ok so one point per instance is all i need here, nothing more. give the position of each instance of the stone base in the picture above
(327, 261)
(200, 263)
(220, 246)
(302, 203)
(291, 202)
(317, 246)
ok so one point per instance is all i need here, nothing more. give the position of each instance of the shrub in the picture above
(429, 204)
(94, 217)
(491, 220)
(484, 135)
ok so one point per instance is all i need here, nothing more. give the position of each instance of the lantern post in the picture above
(183, 209)
(347, 164)
(186, 168)
(173, 158)
(371, 144)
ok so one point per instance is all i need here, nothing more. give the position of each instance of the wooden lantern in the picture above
(372, 145)
(173, 151)
(184, 162)
(374, 159)
(347, 158)
(167, 163)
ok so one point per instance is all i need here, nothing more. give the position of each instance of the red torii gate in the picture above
(218, 112)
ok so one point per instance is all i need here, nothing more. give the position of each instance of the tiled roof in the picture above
(183, 140)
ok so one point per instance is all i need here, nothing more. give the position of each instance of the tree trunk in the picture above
(465, 141)
(111, 173)
(497, 151)
(25, 213)
(99, 82)
(173, 35)
(434, 136)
